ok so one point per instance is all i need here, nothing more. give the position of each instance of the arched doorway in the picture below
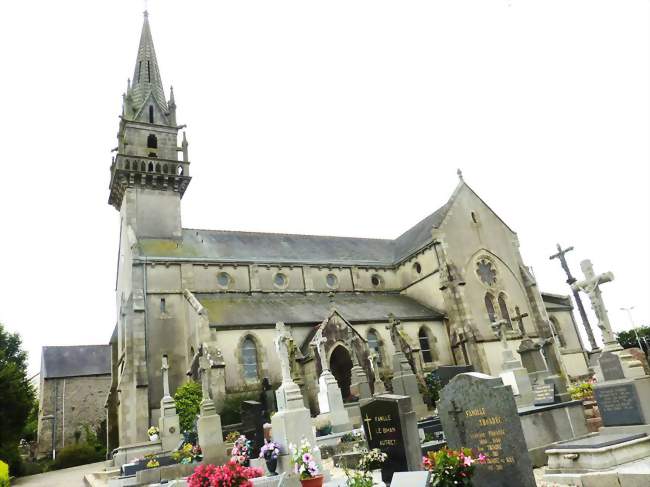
(341, 367)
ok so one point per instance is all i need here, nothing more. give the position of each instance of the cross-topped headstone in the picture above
(282, 338)
(591, 287)
(392, 325)
(499, 327)
(576, 295)
(165, 375)
(317, 342)
(205, 366)
(519, 318)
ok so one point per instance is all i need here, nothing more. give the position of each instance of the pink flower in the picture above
(467, 461)
(482, 458)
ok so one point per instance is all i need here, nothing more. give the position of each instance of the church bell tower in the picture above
(148, 178)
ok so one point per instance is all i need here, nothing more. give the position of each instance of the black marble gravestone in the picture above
(610, 366)
(477, 411)
(544, 394)
(448, 372)
(390, 425)
(619, 404)
(252, 419)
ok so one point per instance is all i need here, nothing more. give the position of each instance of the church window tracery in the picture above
(486, 272)
(249, 359)
(152, 141)
(332, 281)
(280, 280)
(425, 345)
(223, 279)
(489, 305)
(503, 307)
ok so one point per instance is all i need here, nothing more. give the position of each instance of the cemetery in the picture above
(273, 360)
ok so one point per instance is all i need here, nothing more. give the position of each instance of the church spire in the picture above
(146, 76)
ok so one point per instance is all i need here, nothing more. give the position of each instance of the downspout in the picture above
(56, 402)
(146, 342)
(63, 417)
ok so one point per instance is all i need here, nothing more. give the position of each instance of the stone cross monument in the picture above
(576, 295)
(513, 373)
(330, 400)
(359, 380)
(519, 318)
(209, 423)
(168, 424)
(378, 386)
(591, 287)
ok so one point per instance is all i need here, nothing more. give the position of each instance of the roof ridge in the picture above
(288, 234)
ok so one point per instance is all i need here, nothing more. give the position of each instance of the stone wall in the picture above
(69, 404)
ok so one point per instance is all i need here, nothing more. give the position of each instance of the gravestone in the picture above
(390, 424)
(619, 404)
(544, 394)
(611, 366)
(448, 372)
(477, 411)
(252, 419)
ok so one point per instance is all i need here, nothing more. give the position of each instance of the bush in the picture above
(433, 387)
(74, 455)
(188, 400)
(9, 454)
(4, 474)
(582, 390)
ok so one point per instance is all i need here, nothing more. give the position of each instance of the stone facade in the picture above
(179, 289)
(75, 383)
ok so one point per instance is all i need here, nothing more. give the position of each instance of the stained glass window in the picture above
(489, 305)
(486, 272)
(503, 307)
(249, 358)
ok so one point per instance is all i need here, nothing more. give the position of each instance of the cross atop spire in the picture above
(146, 76)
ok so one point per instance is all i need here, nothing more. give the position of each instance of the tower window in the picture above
(163, 305)
(150, 113)
(148, 72)
(139, 71)
(152, 142)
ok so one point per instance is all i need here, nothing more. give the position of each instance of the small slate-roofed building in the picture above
(74, 385)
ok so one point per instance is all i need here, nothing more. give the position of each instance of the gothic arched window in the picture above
(425, 345)
(489, 305)
(249, 359)
(152, 142)
(503, 307)
(558, 331)
(373, 344)
(150, 113)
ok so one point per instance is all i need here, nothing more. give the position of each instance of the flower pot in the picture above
(154, 437)
(272, 465)
(376, 477)
(312, 482)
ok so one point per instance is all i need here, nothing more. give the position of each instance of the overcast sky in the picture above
(338, 118)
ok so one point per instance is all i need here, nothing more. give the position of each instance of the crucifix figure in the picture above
(205, 366)
(499, 327)
(282, 339)
(519, 318)
(350, 340)
(318, 341)
(591, 286)
(392, 325)
(576, 295)
(165, 375)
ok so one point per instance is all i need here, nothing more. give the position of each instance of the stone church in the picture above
(181, 290)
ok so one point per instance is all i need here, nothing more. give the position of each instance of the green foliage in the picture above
(31, 426)
(96, 439)
(4, 474)
(433, 387)
(581, 390)
(358, 479)
(188, 399)
(74, 455)
(231, 412)
(17, 397)
(627, 339)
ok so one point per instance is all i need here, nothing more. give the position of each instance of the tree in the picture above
(17, 396)
(188, 400)
(627, 339)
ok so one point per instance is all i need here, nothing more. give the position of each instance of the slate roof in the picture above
(228, 246)
(75, 361)
(267, 309)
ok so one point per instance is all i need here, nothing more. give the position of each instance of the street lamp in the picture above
(629, 314)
